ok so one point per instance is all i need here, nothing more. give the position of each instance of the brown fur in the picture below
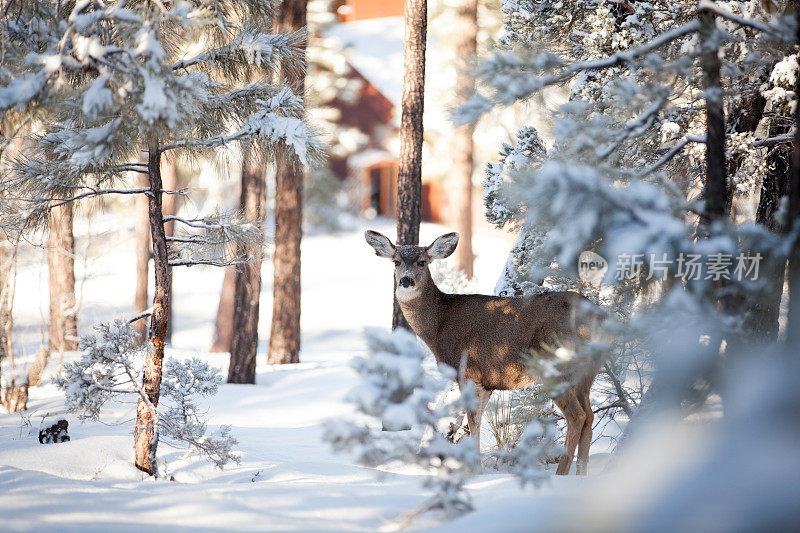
(497, 334)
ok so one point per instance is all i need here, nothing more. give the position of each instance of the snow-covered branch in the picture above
(208, 262)
(779, 32)
(672, 152)
(529, 84)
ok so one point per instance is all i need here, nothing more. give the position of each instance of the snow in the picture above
(374, 47)
(288, 478)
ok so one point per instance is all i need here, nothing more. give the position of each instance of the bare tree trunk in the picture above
(169, 177)
(284, 339)
(244, 345)
(145, 433)
(7, 259)
(764, 313)
(716, 193)
(143, 252)
(61, 266)
(223, 327)
(463, 164)
(409, 179)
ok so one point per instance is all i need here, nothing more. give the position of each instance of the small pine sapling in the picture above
(399, 399)
(110, 368)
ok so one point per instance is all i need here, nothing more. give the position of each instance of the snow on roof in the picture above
(374, 47)
(369, 157)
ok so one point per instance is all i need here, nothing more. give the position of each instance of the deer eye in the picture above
(421, 264)
(397, 263)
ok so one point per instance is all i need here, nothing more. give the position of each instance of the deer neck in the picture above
(424, 313)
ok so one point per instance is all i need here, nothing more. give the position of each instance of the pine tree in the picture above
(120, 80)
(223, 325)
(247, 287)
(463, 150)
(61, 267)
(143, 253)
(637, 167)
(409, 178)
(284, 336)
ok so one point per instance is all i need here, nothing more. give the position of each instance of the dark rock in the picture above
(55, 433)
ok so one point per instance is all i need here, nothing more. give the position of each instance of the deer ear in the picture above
(443, 246)
(383, 246)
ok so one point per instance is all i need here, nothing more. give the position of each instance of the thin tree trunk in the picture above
(409, 179)
(764, 314)
(463, 163)
(169, 177)
(7, 258)
(61, 266)
(284, 339)
(716, 195)
(223, 327)
(244, 345)
(145, 433)
(143, 252)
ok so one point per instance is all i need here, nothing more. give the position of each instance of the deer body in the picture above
(496, 334)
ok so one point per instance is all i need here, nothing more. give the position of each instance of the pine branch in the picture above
(209, 262)
(675, 150)
(619, 58)
(99, 192)
(775, 31)
(636, 126)
(777, 139)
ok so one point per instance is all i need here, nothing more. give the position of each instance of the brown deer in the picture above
(497, 334)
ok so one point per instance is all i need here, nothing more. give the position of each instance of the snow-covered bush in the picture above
(110, 368)
(509, 412)
(403, 418)
(536, 447)
(522, 423)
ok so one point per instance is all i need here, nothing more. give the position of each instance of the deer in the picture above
(496, 335)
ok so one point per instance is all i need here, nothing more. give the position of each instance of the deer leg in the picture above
(474, 418)
(585, 441)
(574, 416)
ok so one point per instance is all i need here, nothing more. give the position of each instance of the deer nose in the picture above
(406, 282)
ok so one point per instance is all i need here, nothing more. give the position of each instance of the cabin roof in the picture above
(374, 47)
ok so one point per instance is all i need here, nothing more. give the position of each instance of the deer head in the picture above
(411, 263)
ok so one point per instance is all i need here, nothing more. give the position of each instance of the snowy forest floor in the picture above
(288, 478)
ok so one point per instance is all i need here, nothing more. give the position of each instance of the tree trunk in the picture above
(463, 163)
(7, 260)
(223, 327)
(764, 313)
(409, 179)
(284, 339)
(61, 266)
(793, 326)
(716, 194)
(143, 252)
(145, 433)
(169, 177)
(244, 345)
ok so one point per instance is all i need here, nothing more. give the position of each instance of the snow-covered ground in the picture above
(674, 476)
(288, 478)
